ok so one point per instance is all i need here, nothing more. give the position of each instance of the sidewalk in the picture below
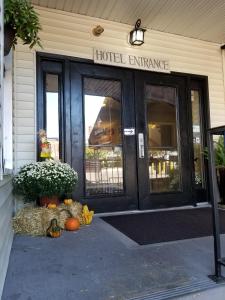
(100, 263)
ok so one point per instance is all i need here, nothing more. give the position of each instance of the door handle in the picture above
(141, 145)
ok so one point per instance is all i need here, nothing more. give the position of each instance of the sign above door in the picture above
(108, 57)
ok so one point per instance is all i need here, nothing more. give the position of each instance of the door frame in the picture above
(153, 200)
(128, 200)
(65, 105)
(181, 197)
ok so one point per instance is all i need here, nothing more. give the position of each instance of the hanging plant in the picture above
(20, 21)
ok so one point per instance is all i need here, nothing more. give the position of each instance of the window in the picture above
(52, 112)
(50, 99)
(163, 149)
(103, 140)
(197, 138)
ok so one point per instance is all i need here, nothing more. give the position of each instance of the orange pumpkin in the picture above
(52, 205)
(68, 201)
(72, 224)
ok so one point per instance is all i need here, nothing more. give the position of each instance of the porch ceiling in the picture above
(201, 19)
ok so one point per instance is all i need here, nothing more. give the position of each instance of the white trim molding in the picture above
(1, 84)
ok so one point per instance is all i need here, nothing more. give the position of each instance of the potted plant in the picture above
(47, 181)
(220, 165)
(20, 21)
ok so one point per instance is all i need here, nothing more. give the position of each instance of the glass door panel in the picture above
(162, 136)
(103, 141)
(52, 113)
(165, 169)
(102, 106)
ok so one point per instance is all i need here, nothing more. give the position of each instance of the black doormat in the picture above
(165, 226)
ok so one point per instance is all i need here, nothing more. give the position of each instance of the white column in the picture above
(1, 84)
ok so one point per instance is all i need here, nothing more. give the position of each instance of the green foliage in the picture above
(47, 178)
(174, 180)
(91, 153)
(21, 17)
(219, 152)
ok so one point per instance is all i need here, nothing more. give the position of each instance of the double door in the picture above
(131, 138)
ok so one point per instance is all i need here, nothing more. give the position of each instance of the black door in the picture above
(135, 138)
(163, 140)
(103, 137)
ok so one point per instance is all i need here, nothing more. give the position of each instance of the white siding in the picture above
(70, 34)
(24, 107)
(186, 18)
(6, 233)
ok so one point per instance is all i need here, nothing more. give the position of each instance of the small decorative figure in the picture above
(54, 230)
(44, 145)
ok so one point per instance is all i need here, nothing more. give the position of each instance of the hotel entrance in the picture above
(135, 138)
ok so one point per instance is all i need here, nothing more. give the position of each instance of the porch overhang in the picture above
(203, 20)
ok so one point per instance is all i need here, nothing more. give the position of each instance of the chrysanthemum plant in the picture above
(45, 179)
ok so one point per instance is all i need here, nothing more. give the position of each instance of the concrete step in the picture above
(201, 290)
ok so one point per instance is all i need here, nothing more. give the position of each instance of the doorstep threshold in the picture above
(137, 211)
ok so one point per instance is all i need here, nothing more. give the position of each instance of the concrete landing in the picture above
(100, 263)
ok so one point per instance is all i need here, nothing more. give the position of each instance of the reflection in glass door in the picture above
(197, 139)
(103, 142)
(102, 106)
(52, 113)
(162, 136)
(199, 127)
(165, 169)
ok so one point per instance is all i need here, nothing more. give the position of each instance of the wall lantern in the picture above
(137, 34)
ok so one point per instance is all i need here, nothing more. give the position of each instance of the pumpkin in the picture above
(53, 230)
(52, 205)
(68, 201)
(72, 224)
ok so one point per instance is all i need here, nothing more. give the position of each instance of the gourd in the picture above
(72, 224)
(54, 230)
(87, 215)
(68, 201)
(52, 205)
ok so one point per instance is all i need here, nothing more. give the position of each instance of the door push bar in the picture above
(141, 145)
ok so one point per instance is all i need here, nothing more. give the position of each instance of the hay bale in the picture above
(29, 221)
(75, 209)
(36, 220)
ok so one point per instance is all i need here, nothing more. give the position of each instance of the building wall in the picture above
(70, 34)
(6, 233)
(6, 198)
